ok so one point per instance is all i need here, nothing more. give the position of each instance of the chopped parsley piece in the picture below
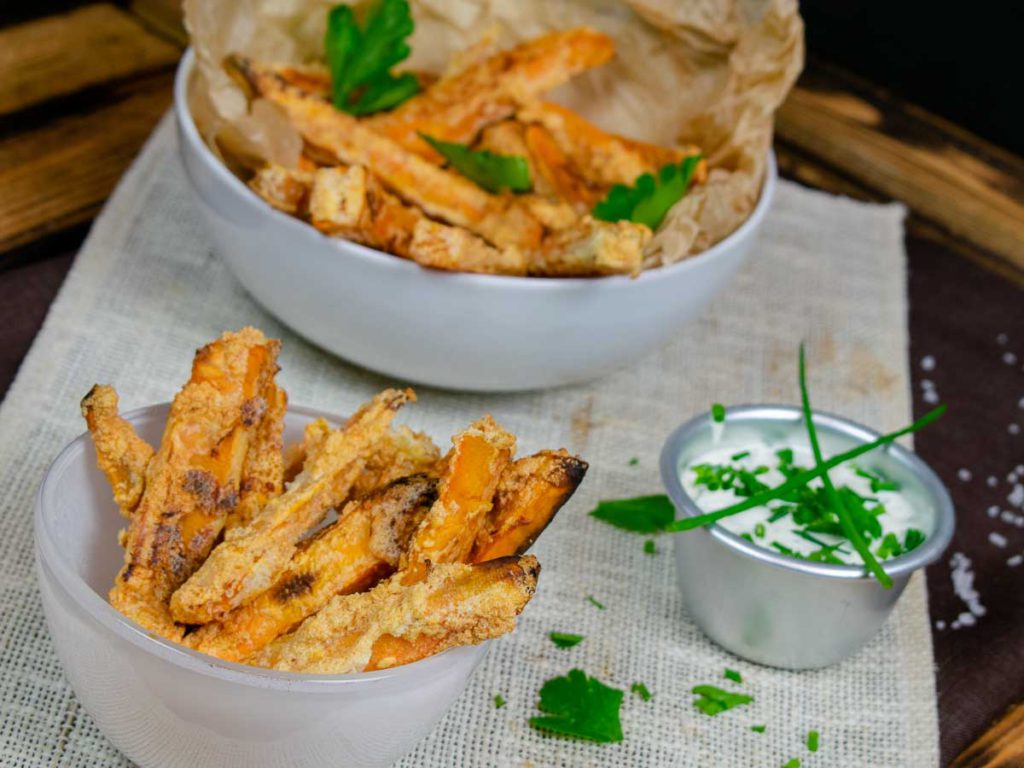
(360, 57)
(718, 413)
(650, 197)
(794, 763)
(580, 706)
(877, 480)
(634, 461)
(649, 547)
(758, 728)
(812, 741)
(740, 455)
(733, 675)
(499, 701)
(641, 690)
(643, 514)
(759, 530)
(714, 700)
(488, 170)
(564, 639)
(594, 602)
(912, 539)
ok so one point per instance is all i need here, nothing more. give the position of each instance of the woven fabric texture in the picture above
(146, 290)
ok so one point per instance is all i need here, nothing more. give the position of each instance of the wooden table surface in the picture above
(84, 84)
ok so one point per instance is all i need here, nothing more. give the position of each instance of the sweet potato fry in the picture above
(295, 455)
(400, 453)
(263, 472)
(457, 107)
(478, 457)
(530, 493)
(440, 193)
(599, 157)
(121, 454)
(243, 566)
(350, 555)
(440, 246)
(395, 623)
(286, 189)
(592, 247)
(192, 481)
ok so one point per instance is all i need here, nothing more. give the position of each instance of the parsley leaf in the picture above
(499, 701)
(643, 514)
(732, 674)
(634, 461)
(360, 57)
(486, 169)
(812, 741)
(594, 602)
(580, 706)
(641, 690)
(758, 728)
(794, 763)
(564, 639)
(714, 700)
(650, 197)
(650, 548)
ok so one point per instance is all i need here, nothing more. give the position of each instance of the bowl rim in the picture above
(97, 609)
(929, 551)
(189, 133)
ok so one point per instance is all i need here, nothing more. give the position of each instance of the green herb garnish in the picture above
(759, 530)
(594, 602)
(650, 197)
(802, 477)
(758, 728)
(486, 169)
(643, 514)
(794, 763)
(499, 701)
(877, 481)
(360, 57)
(733, 675)
(564, 639)
(641, 690)
(649, 547)
(580, 706)
(718, 413)
(634, 461)
(740, 455)
(912, 539)
(812, 741)
(842, 505)
(714, 700)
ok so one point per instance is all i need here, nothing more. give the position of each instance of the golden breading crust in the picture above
(350, 555)
(458, 107)
(400, 453)
(394, 623)
(530, 493)
(474, 466)
(287, 189)
(121, 454)
(263, 473)
(592, 247)
(440, 246)
(242, 567)
(192, 480)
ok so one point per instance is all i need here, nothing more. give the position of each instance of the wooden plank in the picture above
(60, 175)
(1001, 746)
(948, 176)
(164, 17)
(63, 54)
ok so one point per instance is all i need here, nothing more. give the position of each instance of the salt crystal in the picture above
(930, 396)
(1007, 516)
(1020, 403)
(1014, 561)
(1002, 339)
(997, 539)
(962, 577)
(940, 625)
(964, 474)
(1013, 429)
(1009, 358)
(992, 481)
(927, 384)
(1016, 496)
(967, 620)
(927, 363)
(1019, 469)
(993, 511)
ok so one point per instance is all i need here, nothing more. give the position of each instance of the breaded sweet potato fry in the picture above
(441, 246)
(457, 107)
(263, 472)
(243, 566)
(395, 623)
(599, 157)
(531, 491)
(350, 555)
(400, 453)
(440, 193)
(121, 454)
(286, 189)
(295, 455)
(192, 481)
(592, 247)
(447, 534)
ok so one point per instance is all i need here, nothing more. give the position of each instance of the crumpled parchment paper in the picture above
(704, 72)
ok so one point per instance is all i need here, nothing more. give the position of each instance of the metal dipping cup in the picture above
(773, 609)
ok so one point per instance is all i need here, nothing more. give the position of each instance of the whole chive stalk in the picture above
(831, 494)
(802, 478)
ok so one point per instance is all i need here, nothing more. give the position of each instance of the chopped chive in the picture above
(649, 547)
(778, 514)
(840, 505)
(718, 412)
(499, 701)
(759, 530)
(740, 455)
(634, 461)
(641, 690)
(803, 477)
(812, 741)
(758, 728)
(794, 763)
(594, 602)
(733, 675)
(747, 537)
(565, 639)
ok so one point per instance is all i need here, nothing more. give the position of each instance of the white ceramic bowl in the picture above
(165, 706)
(454, 330)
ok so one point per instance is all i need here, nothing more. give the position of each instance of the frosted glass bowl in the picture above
(165, 706)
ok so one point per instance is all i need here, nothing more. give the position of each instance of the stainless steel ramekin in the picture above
(774, 609)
